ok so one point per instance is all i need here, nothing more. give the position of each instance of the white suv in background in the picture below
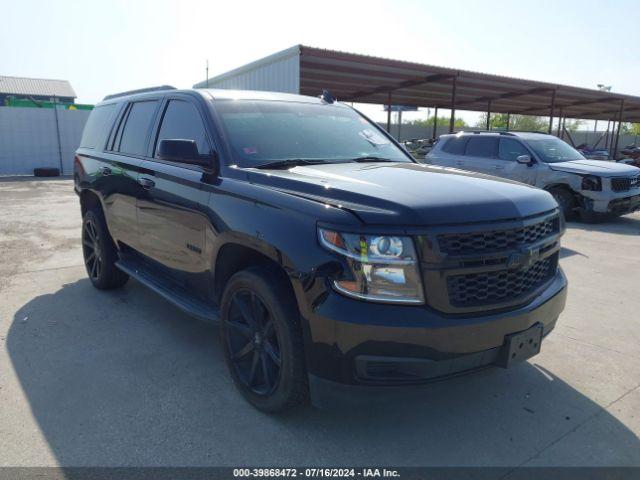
(594, 188)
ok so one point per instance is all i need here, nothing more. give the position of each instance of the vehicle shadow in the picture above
(625, 225)
(122, 378)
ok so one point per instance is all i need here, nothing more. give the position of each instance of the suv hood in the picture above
(601, 168)
(409, 193)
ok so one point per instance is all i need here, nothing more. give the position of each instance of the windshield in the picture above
(261, 132)
(553, 150)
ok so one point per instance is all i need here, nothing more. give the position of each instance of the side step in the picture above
(170, 291)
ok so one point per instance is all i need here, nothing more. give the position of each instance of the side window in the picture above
(133, 138)
(482, 147)
(182, 120)
(96, 127)
(511, 149)
(455, 145)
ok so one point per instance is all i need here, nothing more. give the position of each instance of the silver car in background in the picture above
(592, 188)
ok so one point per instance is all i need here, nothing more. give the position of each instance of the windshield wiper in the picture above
(372, 158)
(290, 162)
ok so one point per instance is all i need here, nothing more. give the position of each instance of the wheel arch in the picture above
(89, 200)
(233, 257)
(562, 185)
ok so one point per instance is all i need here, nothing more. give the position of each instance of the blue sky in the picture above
(110, 46)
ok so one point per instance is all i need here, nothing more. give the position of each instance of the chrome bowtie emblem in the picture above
(523, 258)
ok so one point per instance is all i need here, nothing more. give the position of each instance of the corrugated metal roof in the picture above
(36, 86)
(366, 79)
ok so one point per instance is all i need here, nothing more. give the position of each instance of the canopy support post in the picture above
(553, 106)
(615, 148)
(435, 124)
(559, 124)
(453, 105)
(489, 115)
(508, 120)
(389, 113)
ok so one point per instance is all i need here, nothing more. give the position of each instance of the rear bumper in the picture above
(381, 356)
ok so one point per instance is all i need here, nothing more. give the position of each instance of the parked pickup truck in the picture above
(334, 263)
(593, 188)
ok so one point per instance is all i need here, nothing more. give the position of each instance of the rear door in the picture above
(481, 153)
(172, 213)
(117, 166)
(506, 166)
(449, 152)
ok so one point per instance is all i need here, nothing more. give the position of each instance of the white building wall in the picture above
(279, 72)
(29, 139)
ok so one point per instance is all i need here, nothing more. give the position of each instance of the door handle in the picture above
(146, 183)
(459, 162)
(498, 167)
(105, 170)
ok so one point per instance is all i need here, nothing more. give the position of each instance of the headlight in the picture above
(592, 183)
(382, 268)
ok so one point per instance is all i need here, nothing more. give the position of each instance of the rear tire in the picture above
(262, 340)
(100, 253)
(565, 200)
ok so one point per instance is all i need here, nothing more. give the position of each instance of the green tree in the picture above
(573, 125)
(516, 122)
(457, 123)
(630, 129)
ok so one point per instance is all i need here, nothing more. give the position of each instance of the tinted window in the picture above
(482, 147)
(134, 135)
(511, 149)
(96, 126)
(264, 131)
(182, 121)
(455, 145)
(551, 149)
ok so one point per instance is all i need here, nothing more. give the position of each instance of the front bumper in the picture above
(359, 347)
(622, 206)
(619, 203)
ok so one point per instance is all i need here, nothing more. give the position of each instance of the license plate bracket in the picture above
(521, 346)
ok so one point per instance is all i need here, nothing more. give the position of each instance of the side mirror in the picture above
(182, 150)
(525, 159)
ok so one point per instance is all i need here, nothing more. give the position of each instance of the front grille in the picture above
(487, 288)
(493, 240)
(625, 184)
(486, 267)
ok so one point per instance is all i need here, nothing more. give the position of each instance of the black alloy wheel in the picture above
(100, 253)
(91, 247)
(252, 342)
(262, 341)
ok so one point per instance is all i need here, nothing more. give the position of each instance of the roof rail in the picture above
(140, 90)
(478, 132)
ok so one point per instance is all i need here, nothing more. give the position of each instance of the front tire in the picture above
(565, 200)
(262, 340)
(100, 253)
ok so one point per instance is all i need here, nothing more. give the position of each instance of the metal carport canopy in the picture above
(365, 79)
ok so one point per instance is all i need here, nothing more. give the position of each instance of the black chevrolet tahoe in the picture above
(335, 264)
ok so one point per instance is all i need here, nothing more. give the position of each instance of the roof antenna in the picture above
(327, 97)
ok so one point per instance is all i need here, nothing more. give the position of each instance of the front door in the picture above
(172, 214)
(507, 165)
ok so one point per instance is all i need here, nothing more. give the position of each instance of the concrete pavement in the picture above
(122, 378)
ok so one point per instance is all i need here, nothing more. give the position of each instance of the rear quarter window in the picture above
(96, 127)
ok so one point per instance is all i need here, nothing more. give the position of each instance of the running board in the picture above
(170, 291)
